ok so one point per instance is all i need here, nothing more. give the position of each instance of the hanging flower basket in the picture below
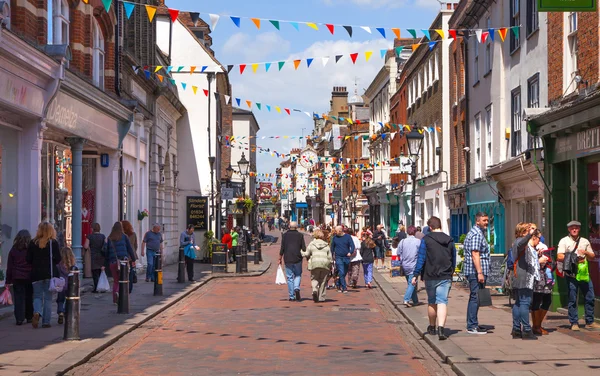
(143, 214)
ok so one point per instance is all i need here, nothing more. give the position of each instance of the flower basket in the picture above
(143, 214)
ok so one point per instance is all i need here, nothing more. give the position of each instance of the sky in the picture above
(308, 89)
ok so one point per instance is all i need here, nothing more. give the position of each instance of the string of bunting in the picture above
(385, 32)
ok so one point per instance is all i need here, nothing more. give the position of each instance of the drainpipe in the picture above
(467, 116)
(117, 49)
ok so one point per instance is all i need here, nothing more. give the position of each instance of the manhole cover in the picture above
(354, 309)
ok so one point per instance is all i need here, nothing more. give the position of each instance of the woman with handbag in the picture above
(525, 271)
(95, 243)
(43, 254)
(118, 248)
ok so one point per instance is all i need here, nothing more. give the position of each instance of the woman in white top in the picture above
(355, 262)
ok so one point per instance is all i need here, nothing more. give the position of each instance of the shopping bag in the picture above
(57, 284)
(484, 297)
(6, 298)
(280, 280)
(103, 285)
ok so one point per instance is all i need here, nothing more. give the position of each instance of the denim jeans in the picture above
(42, 300)
(61, 298)
(473, 305)
(343, 263)
(293, 272)
(411, 291)
(520, 310)
(368, 272)
(150, 268)
(588, 292)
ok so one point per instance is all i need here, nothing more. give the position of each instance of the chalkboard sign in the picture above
(495, 277)
(219, 258)
(197, 212)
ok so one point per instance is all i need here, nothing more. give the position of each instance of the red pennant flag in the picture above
(358, 122)
(502, 33)
(452, 34)
(205, 92)
(484, 36)
(242, 67)
(353, 57)
(174, 13)
(287, 110)
(331, 28)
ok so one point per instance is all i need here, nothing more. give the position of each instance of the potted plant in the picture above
(207, 246)
(143, 214)
(248, 204)
(239, 203)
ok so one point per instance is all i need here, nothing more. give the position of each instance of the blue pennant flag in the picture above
(169, 69)
(295, 25)
(431, 45)
(267, 66)
(183, 85)
(426, 32)
(268, 108)
(309, 62)
(204, 68)
(147, 72)
(381, 31)
(128, 8)
(236, 21)
(383, 52)
(238, 101)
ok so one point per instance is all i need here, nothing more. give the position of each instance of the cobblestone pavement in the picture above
(247, 326)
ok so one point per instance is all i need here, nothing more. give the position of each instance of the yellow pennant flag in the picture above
(151, 12)
(254, 67)
(195, 88)
(440, 32)
(297, 63)
(192, 69)
(286, 136)
(256, 22)
(368, 55)
(350, 121)
(502, 32)
(160, 78)
(249, 104)
(312, 25)
(347, 137)
(414, 47)
(277, 109)
(158, 67)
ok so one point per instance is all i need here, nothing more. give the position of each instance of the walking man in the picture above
(476, 267)
(187, 240)
(436, 263)
(343, 249)
(152, 243)
(292, 246)
(581, 279)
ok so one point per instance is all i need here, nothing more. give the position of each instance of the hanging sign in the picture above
(566, 6)
(197, 212)
(367, 176)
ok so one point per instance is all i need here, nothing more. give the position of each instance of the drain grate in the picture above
(354, 309)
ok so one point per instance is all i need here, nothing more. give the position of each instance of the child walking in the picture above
(67, 261)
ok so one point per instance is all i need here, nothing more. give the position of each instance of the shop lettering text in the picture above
(588, 139)
(62, 116)
(19, 94)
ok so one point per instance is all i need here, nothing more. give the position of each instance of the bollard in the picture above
(123, 300)
(259, 250)
(72, 306)
(244, 260)
(181, 270)
(158, 275)
(238, 259)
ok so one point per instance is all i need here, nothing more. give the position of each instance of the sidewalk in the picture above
(497, 353)
(24, 350)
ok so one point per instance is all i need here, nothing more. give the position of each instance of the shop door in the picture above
(593, 213)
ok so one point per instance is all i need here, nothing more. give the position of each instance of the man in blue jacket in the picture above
(342, 247)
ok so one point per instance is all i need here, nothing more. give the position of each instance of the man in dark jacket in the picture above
(436, 263)
(379, 238)
(342, 248)
(292, 245)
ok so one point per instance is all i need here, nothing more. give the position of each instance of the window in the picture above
(515, 41)
(98, 55)
(475, 61)
(431, 70)
(488, 50)
(533, 22)
(572, 22)
(515, 105)
(533, 91)
(478, 145)
(488, 136)
(365, 148)
(58, 29)
(436, 64)
(571, 56)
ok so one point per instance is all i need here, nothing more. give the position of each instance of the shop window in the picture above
(533, 21)
(516, 144)
(515, 15)
(98, 55)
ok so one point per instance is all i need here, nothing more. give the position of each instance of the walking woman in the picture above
(18, 274)
(43, 255)
(133, 240)
(227, 239)
(355, 262)
(367, 249)
(542, 289)
(319, 259)
(525, 270)
(67, 261)
(95, 243)
(118, 248)
(408, 252)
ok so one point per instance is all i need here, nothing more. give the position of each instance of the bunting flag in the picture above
(267, 66)
(107, 4)
(254, 67)
(479, 33)
(515, 30)
(256, 22)
(236, 21)
(484, 36)
(325, 60)
(396, 32)
(337, 58)
(151, 10)
(426, 34)
(353, 57)
(366, 28)
(452, 34)
(214, 19)
(309, 62)
(368, 55)
(173, 13)
(349, 30)
(297, 64)
(281, 64)
(440, 32)
(295, 25)
(399, 50)
(331, 28)
(381, 31)
(275, 24)
(195, 16)
(412, 32)
(491, 34)
(129, 7)
(502, 32)
(312, 25)
(383, 52)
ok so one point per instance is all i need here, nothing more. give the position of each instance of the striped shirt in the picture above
(475, 241)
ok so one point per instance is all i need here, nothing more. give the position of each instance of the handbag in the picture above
(57, 284)
(133, 275)
(484, 297)
(571, 261)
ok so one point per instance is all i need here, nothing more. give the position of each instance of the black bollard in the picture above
(244, 260)
(259, 250)
(123, 302)
(181, 270)
(238, 259)
(158, 275)
(72, 306)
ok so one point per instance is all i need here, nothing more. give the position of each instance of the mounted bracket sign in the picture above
(567, 6)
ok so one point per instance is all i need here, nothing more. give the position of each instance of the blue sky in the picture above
(308, 89)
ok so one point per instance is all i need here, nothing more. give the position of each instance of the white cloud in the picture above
(250, 49)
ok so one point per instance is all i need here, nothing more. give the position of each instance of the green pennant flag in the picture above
(412, 32)
(399, 50)
(107, 4)
(281, 64)
(515, 30)
(275, 23)
(258, 105)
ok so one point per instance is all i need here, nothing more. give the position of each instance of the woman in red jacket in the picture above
(227, 239)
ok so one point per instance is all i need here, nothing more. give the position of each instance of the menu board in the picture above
(197, 212)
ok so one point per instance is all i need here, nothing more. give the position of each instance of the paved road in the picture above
(247, 326)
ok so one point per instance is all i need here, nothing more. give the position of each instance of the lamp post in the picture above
(353, 198)
(415, 142)
(344, 208)
(244, 165)
(211, 162)
(228, 174)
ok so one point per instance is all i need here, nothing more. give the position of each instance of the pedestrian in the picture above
(152, 243)
(401, 234)
(379, 238)
(67, 261)
(18, 275)
(394, 247)
(225, 239)
(319, 259)
(436, 263)
(95, 243)
(187, 240)
(118, 248)
(542, 289)
(343, 250)
(128, 230)
(292, 246)
(235, 234)
(367, 249)
(419, 234)
(43, 255)
(365, 233)
(579, 279)
(476, 266)
(408, 251)
(526, 266)
(355, 262)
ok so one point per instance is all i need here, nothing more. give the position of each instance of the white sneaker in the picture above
(476, 331)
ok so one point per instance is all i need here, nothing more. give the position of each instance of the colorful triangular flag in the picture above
(158, 67)
(236, 20)
(452, 34)
(107, 4)
(440, 32)
(478, 32)
(312, 25)
(256, 22)
(205, 92)
(515, 30)
(287, 110)
(331, 28)
(268, 108)
(242, 68)
(267, 66)
(258, 105)
(431, 45)
(128, 8)
(412, 32)
(325, 60)
(338, 57)
(368, 55)
(229, 68)
(174, 13)
(192, 69)
(491, 34)
(399, 50)
(278, 109)
(238, 101)
(214, 19)
(254, 67)
(195, 89)
(309, 62)
(484, 36)
(275, 23)
(349, 30)
(195, 16)
(502, 33)
(227, 98)
(281, 64)
(366, 28)
(160, 77)
(426, 33)
(381, 31)
(353, 57)
(249, 104)
(295, 25)
(396, 32)
(151, 10)
(183, 85)
(297, 63)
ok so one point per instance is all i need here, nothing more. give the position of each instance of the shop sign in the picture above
(576, 145)
(197, 212)
(566, 5)
(227, 193)
(457, 201)
(21, 94)
(265, 190)
(367, 176)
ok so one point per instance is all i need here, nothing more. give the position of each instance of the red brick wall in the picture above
(398, 104)
(26, 24)
(458, 165)
(353, 149)
(555, 56)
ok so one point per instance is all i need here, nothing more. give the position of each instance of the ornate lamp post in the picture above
(228, 175)
(415, 142)
(353, 198)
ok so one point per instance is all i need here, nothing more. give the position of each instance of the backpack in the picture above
(510, 263)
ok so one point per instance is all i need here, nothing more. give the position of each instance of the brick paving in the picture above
(247, 326)
(497, 353)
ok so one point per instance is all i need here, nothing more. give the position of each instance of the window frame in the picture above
(61, 22)
(515, 20)
(98, 55)
(478, 144)
(363, 142)
(475, 62)
(533, 81)
(532, 23)
(489, 134)
(516, 120)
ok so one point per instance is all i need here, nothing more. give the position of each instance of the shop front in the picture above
(459, 215)
(483, 197)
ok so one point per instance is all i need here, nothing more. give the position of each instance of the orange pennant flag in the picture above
(151, 12)
(195, 88)
(192, 69)
(502, 31)
(297, 63)
(249, 104)
(256, 22)
(414, 47)
(160, 77)
(396, 31)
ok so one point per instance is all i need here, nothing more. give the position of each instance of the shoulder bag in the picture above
(570, 262)
(57, 284)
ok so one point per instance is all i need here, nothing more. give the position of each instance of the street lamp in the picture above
(415, 142)
(228, 175)
(354, 197)
(244, 166)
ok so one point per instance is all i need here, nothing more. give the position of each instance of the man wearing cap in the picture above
(581, 280)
